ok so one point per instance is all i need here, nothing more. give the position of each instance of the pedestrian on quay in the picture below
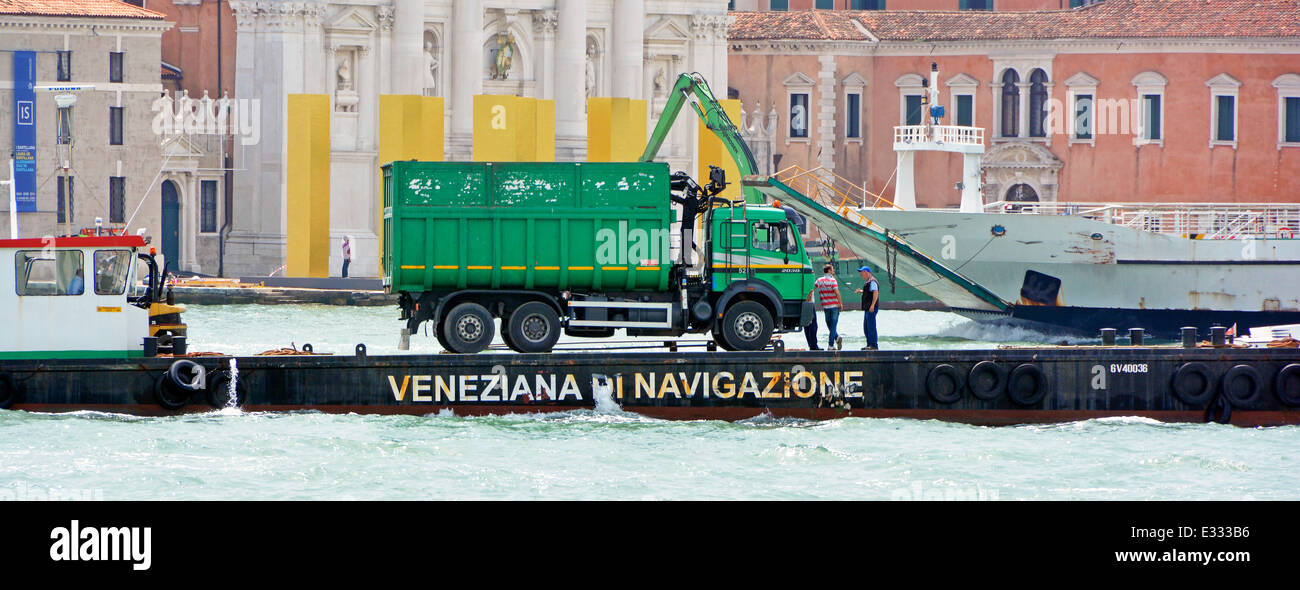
(810, 331)
(827, 288)
(347, 254)
(870, 305)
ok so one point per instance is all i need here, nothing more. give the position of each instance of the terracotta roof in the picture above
(1109, 19)
(91, 8)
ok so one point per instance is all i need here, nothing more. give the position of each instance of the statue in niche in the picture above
(661, 81)
(505, 54)
(345, 75)
(591, 70)
(430, 69)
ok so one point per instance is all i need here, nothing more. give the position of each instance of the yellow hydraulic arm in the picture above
(693, 90)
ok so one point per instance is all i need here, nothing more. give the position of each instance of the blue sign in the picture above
(25, 129)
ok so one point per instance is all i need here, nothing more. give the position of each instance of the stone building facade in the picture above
(1121, 101)
(112, 155)
(356, 50)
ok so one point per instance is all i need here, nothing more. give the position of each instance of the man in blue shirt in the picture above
(77, 285)
(870, 305)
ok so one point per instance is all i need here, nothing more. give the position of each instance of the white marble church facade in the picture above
(356, 50)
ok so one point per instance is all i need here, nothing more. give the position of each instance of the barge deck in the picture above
(1246, 387)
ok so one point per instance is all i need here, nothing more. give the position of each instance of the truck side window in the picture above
(40, 272)
(111, 267)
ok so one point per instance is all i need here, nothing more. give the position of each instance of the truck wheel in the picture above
(720, 341)
(534, 327)
(747, 326)
(468, 328)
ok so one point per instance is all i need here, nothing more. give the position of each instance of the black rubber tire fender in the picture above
(1287, 385)
(8, 391)
(1241, 386)
(1219, 411)
(1193, 384)
(182, 376)
(219, 390)
(980, 386)
(945, 374)
(531, 317)
(762, 333)
(1031, 396)
(454, 333)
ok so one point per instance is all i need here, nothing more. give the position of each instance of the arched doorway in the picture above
(171, 225)
(1021, 193)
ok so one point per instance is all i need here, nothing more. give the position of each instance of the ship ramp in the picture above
(835, 214)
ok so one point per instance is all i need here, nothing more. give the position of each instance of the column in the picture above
(408, 42)
(1024, 108)
(571, 68)
(629, 47)
(466, 63)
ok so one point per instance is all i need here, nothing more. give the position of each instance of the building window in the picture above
(1010, 104)
(64, 66)
(1078, 3)
(1225, 118)
(1223, 110)
(853, 122)
(1037, 103)
(1292, 118)
(117, 200)
(115, 66)
(780, 5)
(799, 115)
(976, 4)
(826, 4)
(1151, 122)
(66, 194)
(867, 5)
(1083, 116)
(208, 206)
(114, 125)
(965, 115)
(1151, 92)
(1288, 110)
(914, 108)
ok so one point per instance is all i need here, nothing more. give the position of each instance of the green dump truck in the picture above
(583, 248)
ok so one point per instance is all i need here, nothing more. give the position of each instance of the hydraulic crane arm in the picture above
(693, 90)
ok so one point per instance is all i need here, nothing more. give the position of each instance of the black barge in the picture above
(1246, 387)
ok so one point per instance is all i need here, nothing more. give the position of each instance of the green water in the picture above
(615, 455)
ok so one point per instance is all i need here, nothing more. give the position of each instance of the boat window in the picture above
(49, 272)
(111, 267)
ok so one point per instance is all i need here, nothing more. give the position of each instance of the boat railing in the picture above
(941, 134)
(1194, 220)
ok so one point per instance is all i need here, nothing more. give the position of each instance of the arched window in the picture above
(1021, 193)
(1037, 103)
(1010, 104)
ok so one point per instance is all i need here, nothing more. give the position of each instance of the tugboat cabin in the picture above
(70, 298)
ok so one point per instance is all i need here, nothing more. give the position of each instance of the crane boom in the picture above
(693, 90)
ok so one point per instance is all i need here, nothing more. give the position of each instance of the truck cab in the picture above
(756, 254)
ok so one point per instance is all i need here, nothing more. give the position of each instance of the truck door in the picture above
(731, 260)
(778, 259)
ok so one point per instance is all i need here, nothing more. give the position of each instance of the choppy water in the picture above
(613, 455)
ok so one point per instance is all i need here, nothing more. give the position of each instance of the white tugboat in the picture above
(76, 297)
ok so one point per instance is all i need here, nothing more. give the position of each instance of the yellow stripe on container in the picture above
(412, 267)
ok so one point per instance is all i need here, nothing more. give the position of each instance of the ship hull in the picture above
(1081, 275)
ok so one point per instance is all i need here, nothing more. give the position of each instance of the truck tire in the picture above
(468, 328)
(534, 327)
(720, 341)
(747, 326)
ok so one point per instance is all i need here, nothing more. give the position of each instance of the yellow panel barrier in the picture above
(616, 129)
(411, 127)
(308, 186)
(713, 152)
(513, 129)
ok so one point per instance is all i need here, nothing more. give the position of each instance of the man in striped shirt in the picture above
(827, 288)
